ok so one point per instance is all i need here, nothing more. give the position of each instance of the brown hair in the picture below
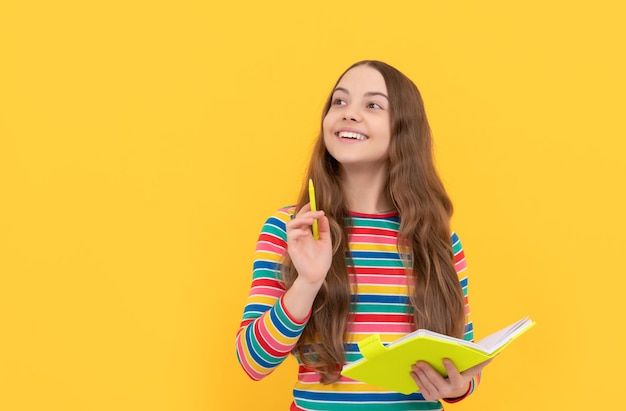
(424, 235)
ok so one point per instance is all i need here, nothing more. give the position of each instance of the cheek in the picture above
(327, 127)
(328, 141)
(385, 126)
(326, 122)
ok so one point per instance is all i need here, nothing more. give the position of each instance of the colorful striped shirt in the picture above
(380, 305)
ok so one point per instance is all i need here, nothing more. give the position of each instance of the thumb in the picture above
(453, 373)
(477, 368)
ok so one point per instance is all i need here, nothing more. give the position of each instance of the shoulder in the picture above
(273, 236)
(283, 214)
(278, 220)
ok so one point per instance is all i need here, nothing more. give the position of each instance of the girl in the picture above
(384, 263)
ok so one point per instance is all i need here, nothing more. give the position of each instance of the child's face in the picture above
(357, 128)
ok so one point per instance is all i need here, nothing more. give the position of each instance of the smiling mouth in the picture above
(352, 135)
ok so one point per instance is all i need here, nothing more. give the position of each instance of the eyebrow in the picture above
(367, 94)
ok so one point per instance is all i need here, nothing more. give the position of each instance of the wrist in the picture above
(298, 299)
(308, 287)
(456, 398)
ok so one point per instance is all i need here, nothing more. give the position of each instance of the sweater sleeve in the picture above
(268, 332)
(460, 266)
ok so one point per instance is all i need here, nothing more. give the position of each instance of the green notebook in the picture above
(389, 366)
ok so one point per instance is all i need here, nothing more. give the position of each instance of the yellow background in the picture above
(143, 144)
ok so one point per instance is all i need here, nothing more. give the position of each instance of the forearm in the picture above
(268, 332)
(274, 318)
(298, 300)
(264, 343)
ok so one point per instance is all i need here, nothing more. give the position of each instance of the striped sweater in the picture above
(268, 333)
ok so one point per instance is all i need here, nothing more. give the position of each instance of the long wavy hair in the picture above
(423, 240)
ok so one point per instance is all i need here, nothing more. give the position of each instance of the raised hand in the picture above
(310, 257)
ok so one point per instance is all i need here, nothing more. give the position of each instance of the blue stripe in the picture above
(266, 265)
(281, 327)
(256, 308)
(357, 396)
(277, 222)
(255, 357)
(350, 347)
(375, 254)
(463, 282)
(454, 238)
(383, 299)
(469, 332)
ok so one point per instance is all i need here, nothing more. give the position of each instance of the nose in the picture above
(351, 115)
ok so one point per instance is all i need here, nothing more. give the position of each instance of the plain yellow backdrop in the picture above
(143, 144)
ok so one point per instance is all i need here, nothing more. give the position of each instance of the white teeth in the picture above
(352, 135)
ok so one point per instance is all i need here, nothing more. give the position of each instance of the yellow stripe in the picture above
(383, 289)
(249, 360)
(268, 256)
(375, 247)
(261, 299)
(277, 336)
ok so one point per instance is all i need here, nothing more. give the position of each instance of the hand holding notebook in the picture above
(389, 366)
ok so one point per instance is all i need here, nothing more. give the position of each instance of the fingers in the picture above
(310, 257)
(434, 387)
(305, 212)
(428, 380)
(303, 220)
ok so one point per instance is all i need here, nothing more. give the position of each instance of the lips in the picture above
(352, 135)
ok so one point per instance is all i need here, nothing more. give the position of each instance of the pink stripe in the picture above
(365, 279)
(266, 292)
(373, 328)
(269, 247)
(247, 367)
(268, 335)
(460, 266)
